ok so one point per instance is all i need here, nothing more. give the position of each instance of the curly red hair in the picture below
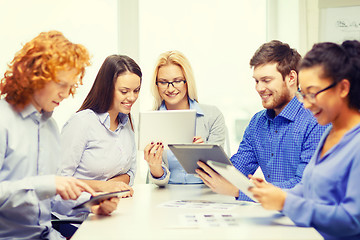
(37, 64)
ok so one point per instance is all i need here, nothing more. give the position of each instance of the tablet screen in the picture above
(189, 154)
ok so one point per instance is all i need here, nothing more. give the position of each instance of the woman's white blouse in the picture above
(92, 151)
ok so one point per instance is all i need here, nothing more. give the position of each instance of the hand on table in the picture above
(153, 155)
(216, 182)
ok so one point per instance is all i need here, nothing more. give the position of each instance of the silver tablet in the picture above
(94, 200)
(171, 126)
(189, 154)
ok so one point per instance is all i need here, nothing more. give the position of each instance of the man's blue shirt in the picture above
(281, 145)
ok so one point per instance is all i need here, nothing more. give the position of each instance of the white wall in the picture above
(92, 23)
(218, 37)
(283, 21)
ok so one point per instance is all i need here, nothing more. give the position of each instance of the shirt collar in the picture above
(105, 119)
(194, 105)
(348, 136)
(289, 112)
(30, 111)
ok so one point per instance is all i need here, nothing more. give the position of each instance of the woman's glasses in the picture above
(311, 97)
(175, 84)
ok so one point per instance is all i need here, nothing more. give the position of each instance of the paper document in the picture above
(199, 204)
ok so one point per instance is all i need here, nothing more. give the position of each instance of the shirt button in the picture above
(268, 175)
(276, 131)
(272, 154)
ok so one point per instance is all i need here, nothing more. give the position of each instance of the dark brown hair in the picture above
(101, 94)
(287, 58)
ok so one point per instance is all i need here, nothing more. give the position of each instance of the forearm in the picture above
(156, 170)
(162, 180)
(333, 219)
(121, 178)
(97, 185)
(42, 187)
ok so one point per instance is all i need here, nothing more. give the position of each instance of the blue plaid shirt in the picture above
(281, 145)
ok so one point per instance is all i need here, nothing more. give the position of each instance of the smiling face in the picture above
(54, 92)
(273, 89)
(328, 104)
(175, 98)
(127, 89)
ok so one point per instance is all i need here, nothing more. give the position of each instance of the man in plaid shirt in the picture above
(282, 138)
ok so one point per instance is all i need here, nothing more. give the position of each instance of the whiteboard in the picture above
(339, 24)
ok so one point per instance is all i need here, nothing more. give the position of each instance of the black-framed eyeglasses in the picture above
(311, 97)
(175, 84)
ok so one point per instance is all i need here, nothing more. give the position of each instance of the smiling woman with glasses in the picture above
(328, 197)
(173, 88)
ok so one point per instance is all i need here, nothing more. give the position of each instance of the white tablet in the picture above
(171, 126)
(230, 173)
(189, 154)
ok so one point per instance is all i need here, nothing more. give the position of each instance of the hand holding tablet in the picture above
(230, 173)
(95, 200)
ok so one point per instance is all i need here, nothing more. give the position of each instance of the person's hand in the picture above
(216, 182)
(252, 178)
(71, 188)
(113, 186)
(105, 207)
(153, 155)
(270, 197)
(198, 140)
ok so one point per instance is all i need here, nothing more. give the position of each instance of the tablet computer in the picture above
(230, 173)
(170, 126)
(95, 200)
(189, 154)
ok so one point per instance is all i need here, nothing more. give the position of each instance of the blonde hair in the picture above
(37, 64)
(176, 58)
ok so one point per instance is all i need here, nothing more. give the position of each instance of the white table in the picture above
(141, 217)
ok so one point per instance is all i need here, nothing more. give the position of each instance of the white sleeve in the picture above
(13, 193)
